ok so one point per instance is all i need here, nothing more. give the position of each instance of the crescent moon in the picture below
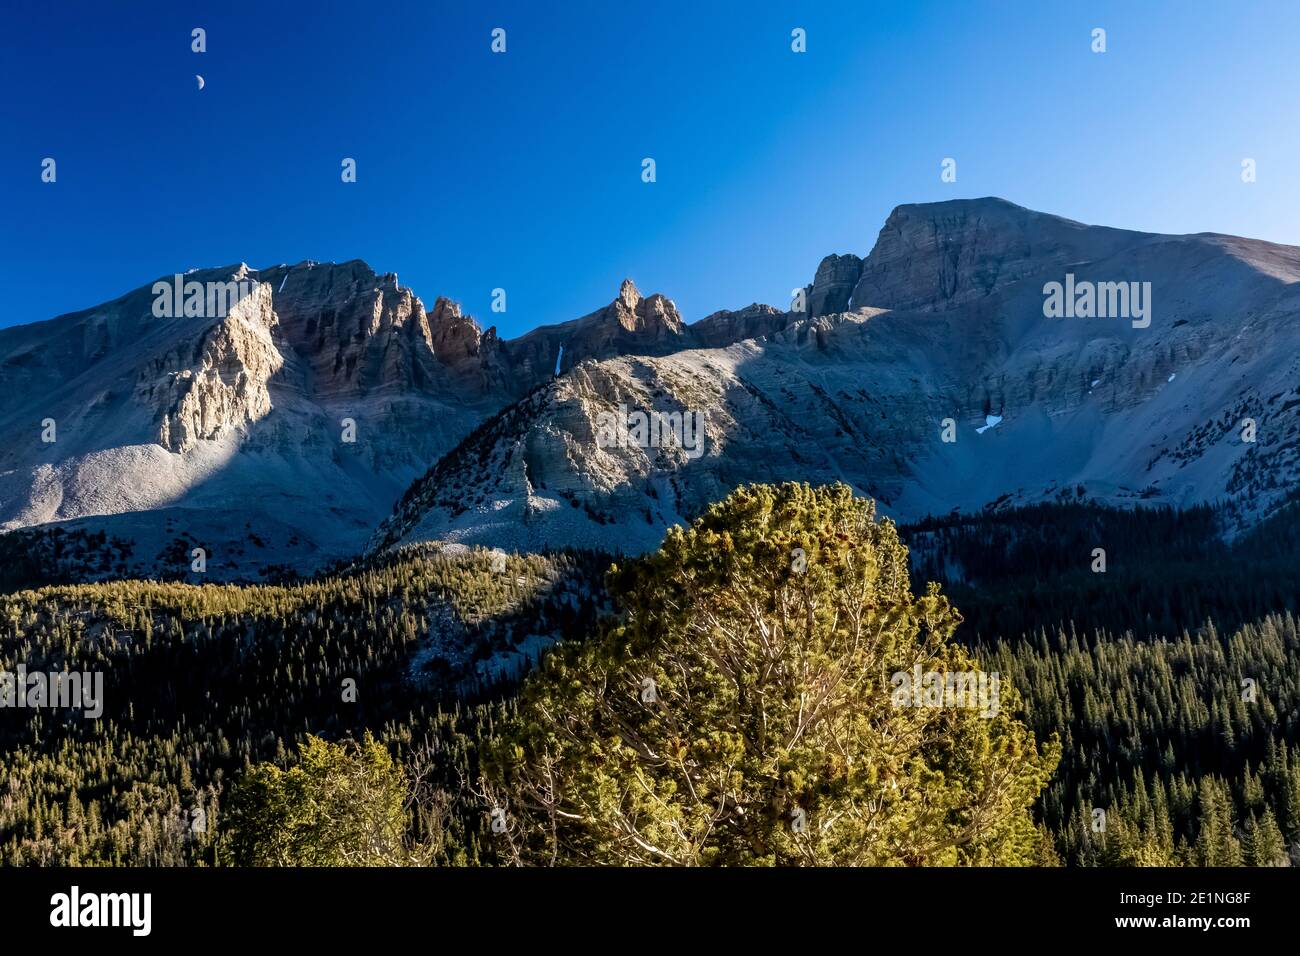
(200, 79)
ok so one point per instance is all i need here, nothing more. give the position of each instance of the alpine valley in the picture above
(308, 543)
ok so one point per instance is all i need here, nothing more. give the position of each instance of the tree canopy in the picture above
(744, 710)
(342, 804)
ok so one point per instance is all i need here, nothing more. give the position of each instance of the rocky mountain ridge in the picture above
(928, 376)
(284, 431)
(302, 410)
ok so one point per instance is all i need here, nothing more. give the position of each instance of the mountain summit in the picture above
(928, 375)
(285, 428)
(279, 429)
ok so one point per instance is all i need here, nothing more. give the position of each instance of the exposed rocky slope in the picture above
(231, 432)
(945, 319)
(228, 432)
(282, 431)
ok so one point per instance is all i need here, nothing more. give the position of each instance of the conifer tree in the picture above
(1264, 843)
(341, 805)
(743, 710)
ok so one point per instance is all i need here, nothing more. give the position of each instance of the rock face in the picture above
(285, 430)
(720, 329)
(293, 421)
(359, 332)
(471, 356)
(543, 472)
(281, 430)
(222, 385)
(833, 286)
(939, 256)
(631, 324)
(947, 333)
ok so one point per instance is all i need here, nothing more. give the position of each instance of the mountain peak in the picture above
(833, 285)
(937, 256)
(654, 316)
(628, 294)
(981, 204)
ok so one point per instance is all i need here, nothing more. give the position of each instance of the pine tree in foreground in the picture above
(750, 708)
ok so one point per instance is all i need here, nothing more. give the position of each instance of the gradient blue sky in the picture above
(523, 170)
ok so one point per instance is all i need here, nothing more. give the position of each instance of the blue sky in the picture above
(523, 170)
